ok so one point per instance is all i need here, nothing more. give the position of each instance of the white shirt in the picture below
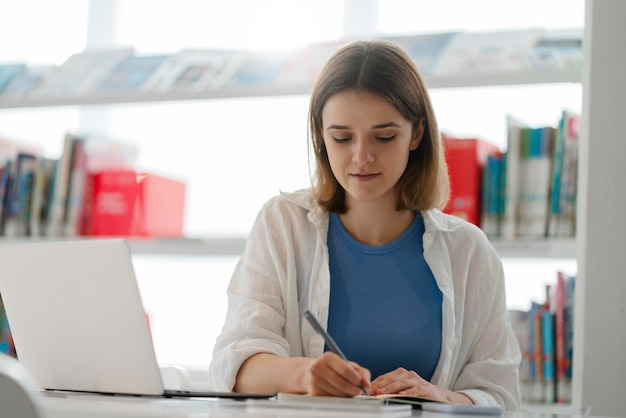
(284, 270)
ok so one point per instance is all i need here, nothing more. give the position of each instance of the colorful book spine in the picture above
(547, 328)
(491, 211)
(565, 177)
(535, 351)
(536, 172)
(512, 178)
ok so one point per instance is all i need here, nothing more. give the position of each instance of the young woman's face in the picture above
(368, 143)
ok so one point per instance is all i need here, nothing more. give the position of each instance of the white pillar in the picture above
(360, 19)
(600, 303)
(101, 34)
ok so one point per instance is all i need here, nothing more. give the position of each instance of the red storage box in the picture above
(127, 203)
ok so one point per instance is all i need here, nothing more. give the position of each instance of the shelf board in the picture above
(534, 248)
(522, 248)
(188, 246)
(269, 90)
(234, 246)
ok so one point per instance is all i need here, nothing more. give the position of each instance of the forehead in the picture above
(353, 107)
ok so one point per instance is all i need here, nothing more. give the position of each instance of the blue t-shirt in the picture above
(385, 306)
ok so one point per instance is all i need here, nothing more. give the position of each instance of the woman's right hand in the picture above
(330, 375)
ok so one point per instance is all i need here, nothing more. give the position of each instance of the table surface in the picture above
(62, 405)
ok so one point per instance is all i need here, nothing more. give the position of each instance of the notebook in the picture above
(77, 318)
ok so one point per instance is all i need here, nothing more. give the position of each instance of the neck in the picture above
(376, 223)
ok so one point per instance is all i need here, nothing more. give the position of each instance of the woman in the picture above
(414, 297)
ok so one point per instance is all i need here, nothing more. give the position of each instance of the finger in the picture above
(402, 381)
(331, 375)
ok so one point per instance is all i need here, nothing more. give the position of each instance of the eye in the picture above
(341, 140)
(386, 138)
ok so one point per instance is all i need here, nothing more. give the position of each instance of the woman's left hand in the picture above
(407, 382)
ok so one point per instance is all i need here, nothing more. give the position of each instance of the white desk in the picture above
(100, 406)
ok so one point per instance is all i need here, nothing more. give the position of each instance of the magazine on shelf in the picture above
(426, 50)
(303, 67)
(557, 50)
(8, 72)
(132, 74)
(194, 70)
(487, 52)
(81, 73)
(259, 69)
(23, 83)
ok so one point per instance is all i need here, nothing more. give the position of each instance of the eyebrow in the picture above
(379, 126)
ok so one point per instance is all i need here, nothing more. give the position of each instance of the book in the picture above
(82, 153)
(132, 74)
(328, 405)
(111, 198)
(16, 212)
(161, 206)
(561, 360)
(466, 158)
(509, 220)
(43, 182)
(58, 196)
(562, 222)
(492, 195)
(81, 73)
(535, 181)
(23, 83)
(8, 72)
(535, 352)
(521, 329)
(123, 202)
(569, 284)
(549, 381)
(194, 70)
(6, 339)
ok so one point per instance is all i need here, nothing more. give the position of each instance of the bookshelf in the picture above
(528, 72)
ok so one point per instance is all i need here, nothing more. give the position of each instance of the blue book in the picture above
(547, 328)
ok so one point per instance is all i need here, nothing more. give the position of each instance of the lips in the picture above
(364, 176)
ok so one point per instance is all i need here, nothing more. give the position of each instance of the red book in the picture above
(110, 203)
(466, 158)
(161, 206)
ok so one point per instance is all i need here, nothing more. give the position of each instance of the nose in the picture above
(363, 152)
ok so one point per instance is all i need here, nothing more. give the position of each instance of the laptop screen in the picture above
(77, 318)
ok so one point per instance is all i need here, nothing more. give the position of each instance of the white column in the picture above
(101, 34)
(360, 19)
(599, 373)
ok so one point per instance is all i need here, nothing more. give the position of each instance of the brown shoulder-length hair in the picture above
(384, 69)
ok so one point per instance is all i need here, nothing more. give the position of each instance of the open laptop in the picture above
(77, 318)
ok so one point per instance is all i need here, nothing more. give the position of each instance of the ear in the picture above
(418, 133)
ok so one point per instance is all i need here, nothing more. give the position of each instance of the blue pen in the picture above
(329, 341)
